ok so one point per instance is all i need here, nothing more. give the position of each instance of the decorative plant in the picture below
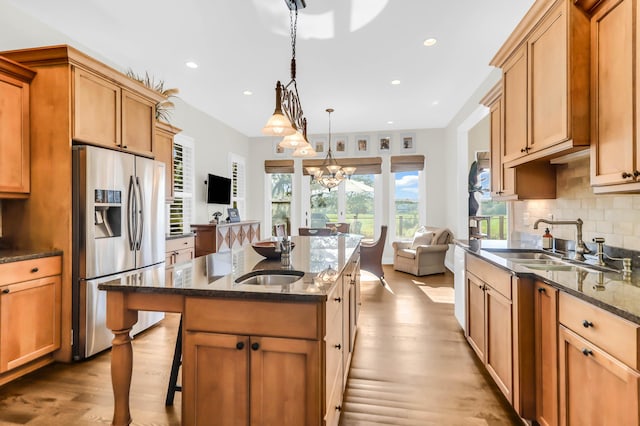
(164, 107)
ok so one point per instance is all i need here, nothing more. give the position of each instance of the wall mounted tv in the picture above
(218, 190)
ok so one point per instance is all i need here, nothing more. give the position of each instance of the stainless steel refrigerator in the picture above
(118, 234)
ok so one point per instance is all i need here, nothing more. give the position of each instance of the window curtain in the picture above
(407, 163)
(278, 166)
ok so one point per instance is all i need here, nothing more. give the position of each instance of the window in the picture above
(281, 199)
(360, 205)
(238, 184)
(407, 217)
(495, 228)
(181, 208)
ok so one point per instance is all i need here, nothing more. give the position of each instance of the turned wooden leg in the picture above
(121, 368)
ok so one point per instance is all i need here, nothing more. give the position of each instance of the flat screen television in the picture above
(218, 190)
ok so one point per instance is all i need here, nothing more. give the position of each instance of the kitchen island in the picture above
(272, 354)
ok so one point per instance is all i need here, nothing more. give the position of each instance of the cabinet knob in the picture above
(255, 346)
(523, 150)
(636, 173)
(338, 346)
(626, 175)
(6, 290)
(542, 290)
(587, 324)
(34, 270)
(125, 147)
(240, 346)
(587, 352)
(338, 407)
(338, 299)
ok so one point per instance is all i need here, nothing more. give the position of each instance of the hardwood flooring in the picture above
(411, 366)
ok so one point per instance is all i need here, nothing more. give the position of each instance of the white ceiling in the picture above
(347, 51)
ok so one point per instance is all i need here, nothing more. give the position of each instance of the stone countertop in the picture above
(322, 259)
(611, 291)
(176, 236)
(12, 255)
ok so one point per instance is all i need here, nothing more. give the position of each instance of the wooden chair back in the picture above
(310, 232)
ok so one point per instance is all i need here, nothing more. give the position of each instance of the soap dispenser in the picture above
(547, 240)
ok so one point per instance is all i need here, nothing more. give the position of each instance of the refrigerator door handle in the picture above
(131, 212)
(140, 224)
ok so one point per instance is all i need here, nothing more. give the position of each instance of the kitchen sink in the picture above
(270, 277)
(526, 255)
(540, 261)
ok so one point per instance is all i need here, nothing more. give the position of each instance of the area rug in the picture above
(438, 294)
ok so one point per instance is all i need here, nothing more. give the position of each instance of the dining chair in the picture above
(280, 230)
(341, 227)
(371, 255)
(310, 232)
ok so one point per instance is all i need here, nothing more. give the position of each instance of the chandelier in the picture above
(330, 173)
(288, 119)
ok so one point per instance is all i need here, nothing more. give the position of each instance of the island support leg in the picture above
(120, 320)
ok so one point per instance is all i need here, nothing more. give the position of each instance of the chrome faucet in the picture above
(581, 248)
(285, 255)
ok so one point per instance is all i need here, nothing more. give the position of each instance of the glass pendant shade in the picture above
(304, 151)
(349, 170)
(293, 141)
(278, 125)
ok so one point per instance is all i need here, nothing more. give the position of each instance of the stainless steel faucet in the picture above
(581, 248)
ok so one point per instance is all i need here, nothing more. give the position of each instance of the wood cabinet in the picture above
(106, 114)
(546, 351)
(499, 329)
(163, 151)
(179, 249)
(615, 150)
(598, 366)
(212, 238)
(535, 180)
(14, 129)
(29, 311)
(545, 64)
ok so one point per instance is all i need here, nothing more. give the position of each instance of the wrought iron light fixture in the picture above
(330, 174)
(288, 119)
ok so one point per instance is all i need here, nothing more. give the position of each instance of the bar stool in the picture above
(175, 368)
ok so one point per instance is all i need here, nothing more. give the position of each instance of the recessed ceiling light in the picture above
(247, 93)
(191, 64)
(389, 122)
(430, 42)
(434, 103)
(395, 82)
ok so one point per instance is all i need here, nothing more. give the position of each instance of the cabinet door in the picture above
(612, 96)
(499, 348)
(475, 314)
(514, 97)
(14, 135)
(163, 151)
(96, 110)
(595, 388)
(546, 348)
(223, 238)
(29, 321)
(215, 379)
(285, 381)
(547, 60)
(138, 123)
(495, 122)
(183, 255)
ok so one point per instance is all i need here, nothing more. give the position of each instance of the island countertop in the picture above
(322, 259)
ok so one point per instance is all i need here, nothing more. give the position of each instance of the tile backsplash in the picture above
(615, 217)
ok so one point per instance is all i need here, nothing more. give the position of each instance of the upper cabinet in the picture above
(615, 150)
(545, 99)
(106, 114)
(163, 151)
(14, 129)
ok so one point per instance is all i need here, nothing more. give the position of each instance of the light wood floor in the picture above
(411, 366)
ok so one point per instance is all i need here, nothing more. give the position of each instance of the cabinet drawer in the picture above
(497, 278)
(252, 317)
(615, 335)
(176, 244)
(32, 269)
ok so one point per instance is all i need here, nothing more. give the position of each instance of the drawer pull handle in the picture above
(6, 290)
(626, 175)
(587, 352)
(255, 346)
(338, 346)
(34, 270)
(587, 324)
(338, 407)
(338, 299)
(240, 346)
(542, 290)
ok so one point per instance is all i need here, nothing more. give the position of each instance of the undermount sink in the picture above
(270, 277)
(512, 255)
(540, 261)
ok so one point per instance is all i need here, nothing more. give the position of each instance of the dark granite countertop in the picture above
(611, 291)
(11, 255)
(322, 259)
(176, 236)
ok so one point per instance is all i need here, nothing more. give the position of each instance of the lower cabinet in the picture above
(213, 238)
(179, 250)
(264, 380)
(546, 344)
(29, 311)
(500, 330)
(598, 366)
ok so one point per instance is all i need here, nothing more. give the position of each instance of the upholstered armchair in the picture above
(425, 254)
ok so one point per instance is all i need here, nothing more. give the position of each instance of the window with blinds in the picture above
(238, 184)
(181, 208)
